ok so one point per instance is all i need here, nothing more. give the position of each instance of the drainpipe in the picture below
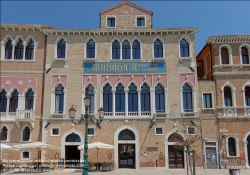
(43, 84)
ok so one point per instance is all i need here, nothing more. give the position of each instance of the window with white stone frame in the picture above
(25, 134)
(244, 51)
(61, 47)
(159, 130)
(232, 145)
(25, 155)
(228, 99)
(225, 54)
(18, 49)
(91, 131)
(207, 100)
(55, 132)
(246, 98)
(191, 130)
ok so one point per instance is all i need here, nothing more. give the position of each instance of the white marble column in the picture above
(139, 101)
(113, 104)
(152, 101)
(24, 50)
(166, 99)
(126, 101)
(13, 49)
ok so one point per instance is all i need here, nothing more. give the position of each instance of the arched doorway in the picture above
(174, 153)
(126, 147)
(72, 154)
(69, 152)
(126, 151)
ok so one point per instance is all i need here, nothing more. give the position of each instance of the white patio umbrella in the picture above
(97, 145)
(35, 145)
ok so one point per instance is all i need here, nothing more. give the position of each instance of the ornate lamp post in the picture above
(72, 112)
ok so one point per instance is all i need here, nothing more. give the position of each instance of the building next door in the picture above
(126, 155)
(175, 157)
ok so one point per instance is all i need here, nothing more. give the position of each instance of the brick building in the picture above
(22, 65)
(224, 64)
(136, 73)
(145, 80)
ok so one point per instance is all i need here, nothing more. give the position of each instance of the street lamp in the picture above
(97, 122)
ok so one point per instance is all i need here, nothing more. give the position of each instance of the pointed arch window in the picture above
(59, 96)
(4, 134)
(90, 93)
(158, 49)
(132, 98)
(116, 50)
(61, 49)
(227, 96)
(145, 98)
(91, 49)
(224, 56)
(126, 50)
(244, 55)
(187, 98)
(29, 100)
(107, 98)
(8, 49)
(231, 146)
(159, 99)
(14, 101)
(120, 98)
(136, 50)
(29, 53)
(184, 48)
(18, 55)
(3, 101)
(26, 134)
(247, 95)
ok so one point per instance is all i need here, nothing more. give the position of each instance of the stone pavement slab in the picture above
(140, 172)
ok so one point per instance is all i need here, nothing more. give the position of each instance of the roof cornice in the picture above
(228, 39)
(24, 27)
(105, 32)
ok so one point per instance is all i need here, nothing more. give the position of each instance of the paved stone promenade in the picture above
(141, 172)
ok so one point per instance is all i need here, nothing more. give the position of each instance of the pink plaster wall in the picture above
(63, 80)
(190, 77)
(86, 79)
(138, 79)
(21, 83)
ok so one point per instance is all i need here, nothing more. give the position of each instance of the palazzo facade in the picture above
(136, 73)
(154, 91)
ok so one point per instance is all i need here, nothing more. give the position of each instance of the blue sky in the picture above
(210, 17)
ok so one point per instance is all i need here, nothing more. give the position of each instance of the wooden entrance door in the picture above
(175, 157)
(126, 155)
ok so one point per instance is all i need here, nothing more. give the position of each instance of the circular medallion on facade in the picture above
(20, 82)
(248, 111)
(8, 82)
(229, 112)
(29, 81)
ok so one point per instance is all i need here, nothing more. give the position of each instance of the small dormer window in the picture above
(141, 22)
(111, 22)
